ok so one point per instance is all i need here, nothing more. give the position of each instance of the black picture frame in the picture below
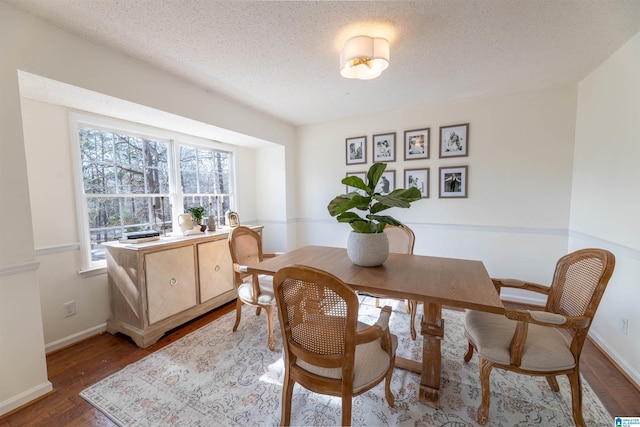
(453, 182)
(418, 178)
(454, 140)
(384, 147)
(356, 150)
(417, 144)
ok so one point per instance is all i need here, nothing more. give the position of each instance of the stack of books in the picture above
(140, 236)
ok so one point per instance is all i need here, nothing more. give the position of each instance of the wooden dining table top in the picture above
(451, 282)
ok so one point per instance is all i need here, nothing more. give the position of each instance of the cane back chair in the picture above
(255, 290)
(401, 241)
(326, 349)
(531, 342)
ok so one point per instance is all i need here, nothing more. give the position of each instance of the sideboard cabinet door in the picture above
(215, 269)
(171, 282)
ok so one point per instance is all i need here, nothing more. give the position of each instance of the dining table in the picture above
(434, 281)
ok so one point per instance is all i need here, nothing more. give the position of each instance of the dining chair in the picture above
(542, 342)
(326, 349)
(401, 241)
(255, 290)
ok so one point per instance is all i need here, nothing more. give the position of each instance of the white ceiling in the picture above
(282, 57)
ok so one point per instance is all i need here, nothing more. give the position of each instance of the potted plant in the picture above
(197, 213)
(368, 245)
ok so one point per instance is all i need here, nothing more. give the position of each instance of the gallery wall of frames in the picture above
(453, 142)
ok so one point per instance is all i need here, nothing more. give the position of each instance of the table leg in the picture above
(432, 332)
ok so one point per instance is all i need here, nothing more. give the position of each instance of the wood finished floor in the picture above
(73, 369)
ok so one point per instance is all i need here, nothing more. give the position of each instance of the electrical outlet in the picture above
(624, 326)
(69, 308)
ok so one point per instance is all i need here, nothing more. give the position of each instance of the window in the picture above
(128, 182)
(205, 179)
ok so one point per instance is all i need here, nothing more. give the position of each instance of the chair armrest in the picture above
(544, 318)
(376, 330)
(520, 284)
(240, 268)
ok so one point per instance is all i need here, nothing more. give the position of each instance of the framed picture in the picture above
(387, 182)
(418, 178)
(454, 141)
(453, 182)
(362, 175)
(384, 147)
(416, 144)
(233, 220)
(356, 150)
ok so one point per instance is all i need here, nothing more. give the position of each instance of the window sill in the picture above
(93, 271)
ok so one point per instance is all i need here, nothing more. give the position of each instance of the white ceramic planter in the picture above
(368, 250)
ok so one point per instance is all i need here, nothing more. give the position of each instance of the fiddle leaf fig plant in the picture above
(371, 203)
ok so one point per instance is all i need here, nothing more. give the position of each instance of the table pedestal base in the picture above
(432, 330)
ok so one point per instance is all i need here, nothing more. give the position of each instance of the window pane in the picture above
(114, 163)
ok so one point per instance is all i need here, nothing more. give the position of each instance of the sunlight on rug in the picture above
(217, 377)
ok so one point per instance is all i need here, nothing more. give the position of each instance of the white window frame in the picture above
(175, 196)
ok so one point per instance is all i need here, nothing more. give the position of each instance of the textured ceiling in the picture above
(282, 57)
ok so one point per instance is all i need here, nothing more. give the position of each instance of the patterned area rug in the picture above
(217, 377)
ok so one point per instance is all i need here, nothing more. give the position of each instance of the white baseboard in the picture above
(25, 397)
(632, 374)
(72, 339)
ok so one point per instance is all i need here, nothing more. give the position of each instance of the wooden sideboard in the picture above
(157, 286)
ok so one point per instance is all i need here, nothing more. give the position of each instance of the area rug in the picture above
(214, 376)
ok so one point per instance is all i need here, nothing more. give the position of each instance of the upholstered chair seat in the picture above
(545, 349)
(371, 362)
(265, 297)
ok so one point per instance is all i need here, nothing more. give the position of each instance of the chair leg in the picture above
(413, 308)
(272, 341)
(469, 353)
(387, 386)
(551, 380)
(377, 302)
(287, 392)
(346, 410)
(576, 397)
(407, 306)
(238, 314)
(258, 311)
(485, 372)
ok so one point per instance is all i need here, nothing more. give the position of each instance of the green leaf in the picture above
(345, 202)
(363, 227)
(356, 182)
(349, 217)
(385, 219)
(374, 174)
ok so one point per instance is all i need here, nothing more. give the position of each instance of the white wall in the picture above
(605, 209)
(516, 215)
(39, 257)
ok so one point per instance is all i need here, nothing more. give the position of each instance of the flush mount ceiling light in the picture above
(364, 57)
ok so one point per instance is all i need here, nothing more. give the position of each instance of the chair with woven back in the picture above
(255, 290)
(326, 349)
(401, 241)
(543, 343)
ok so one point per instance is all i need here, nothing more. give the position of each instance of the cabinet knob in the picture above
(173, 281)
(217, 268)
